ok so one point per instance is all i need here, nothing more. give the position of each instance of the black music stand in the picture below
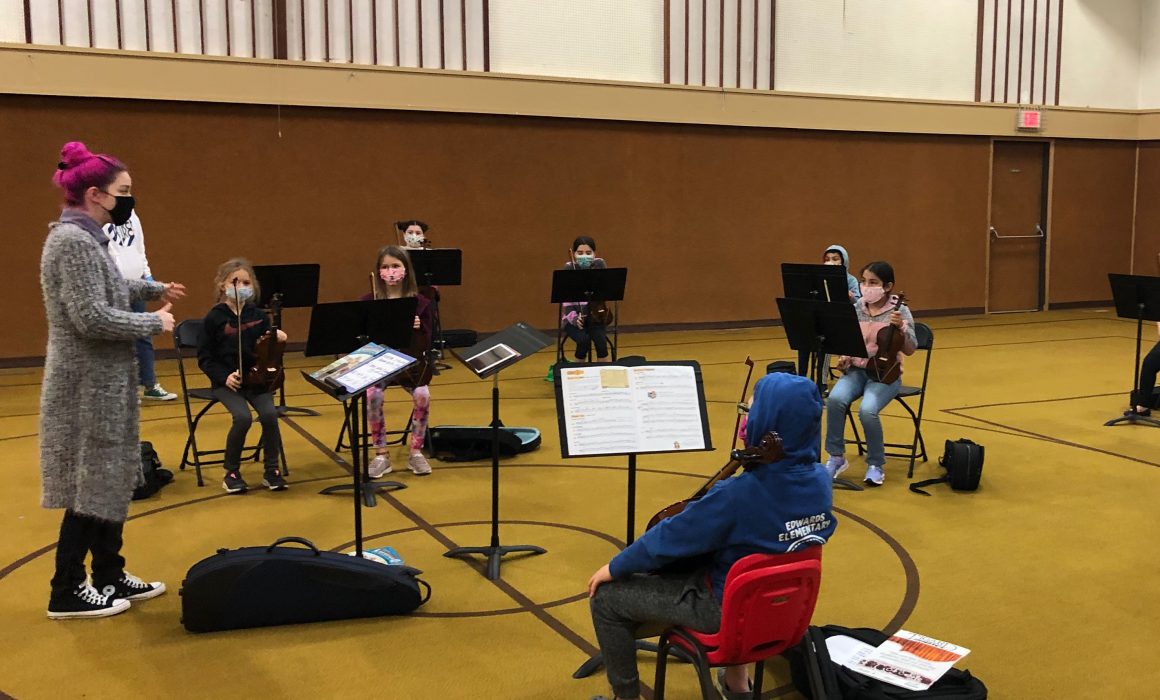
(590, 285)
(817, 282)
(338, 329)
(288, 287)
(443, 267)
(1138, 297)
(704, 442)
(486, 359)
(823, 328)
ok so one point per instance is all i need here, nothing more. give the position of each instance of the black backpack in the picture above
(963, 460)
(840, 683)
(153, 476)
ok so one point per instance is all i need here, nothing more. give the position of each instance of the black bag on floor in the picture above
(468, 443)
(153, 476)
(963, 460)
(275, 585)
(840, 683)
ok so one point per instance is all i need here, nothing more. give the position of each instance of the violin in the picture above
(420, 373)
(886, 366)
(267, 374)
(768, 449)
(596, 313)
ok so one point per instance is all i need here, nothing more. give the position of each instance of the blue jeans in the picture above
(144, 347)
(875, 395)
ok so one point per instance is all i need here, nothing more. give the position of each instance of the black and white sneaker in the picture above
(233, 483)
(131, 588)
(274, 480)
(85, 601)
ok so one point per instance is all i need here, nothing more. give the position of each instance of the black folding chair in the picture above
(917, 446)
(613, 336)
(186, 336)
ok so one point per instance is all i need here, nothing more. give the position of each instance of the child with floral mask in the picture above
(834, 255)
(414, 234)
(217, 354)
(875, 312)
(582, 256)
(393, 279)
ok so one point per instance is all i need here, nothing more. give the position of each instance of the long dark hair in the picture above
(881, 269)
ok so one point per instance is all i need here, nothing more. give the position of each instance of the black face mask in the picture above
(123, 209)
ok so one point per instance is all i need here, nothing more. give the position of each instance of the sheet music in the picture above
(621, 410)
(374, 370)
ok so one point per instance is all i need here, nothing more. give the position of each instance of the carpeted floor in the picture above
(1045, 573)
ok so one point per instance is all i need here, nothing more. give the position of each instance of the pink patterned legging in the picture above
(421, 396)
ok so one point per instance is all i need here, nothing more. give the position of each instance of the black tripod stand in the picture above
(823, 328)
(486, 359)
(1136, 297)
(443, 267)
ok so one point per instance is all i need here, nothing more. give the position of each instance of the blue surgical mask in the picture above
(240, 294)
(584, 260)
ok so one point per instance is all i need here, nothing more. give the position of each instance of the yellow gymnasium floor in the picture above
(1045, 573)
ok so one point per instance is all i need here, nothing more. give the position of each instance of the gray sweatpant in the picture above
(642, 606)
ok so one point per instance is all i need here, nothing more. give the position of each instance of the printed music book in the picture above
(368, 365)
(631, 408)
(907, 659)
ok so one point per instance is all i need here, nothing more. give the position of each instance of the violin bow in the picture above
(744, 393)
(238, 307)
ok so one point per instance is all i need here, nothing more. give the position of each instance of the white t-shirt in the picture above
(127, 246)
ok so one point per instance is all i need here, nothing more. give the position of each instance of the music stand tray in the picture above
(592, 284)
(293, 286)
(1136, 297)
(817, 282)
(488, 358)
(823, 328)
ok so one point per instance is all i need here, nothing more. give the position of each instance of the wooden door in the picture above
(1017, 245)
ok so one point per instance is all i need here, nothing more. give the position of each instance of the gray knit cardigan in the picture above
(89, 454)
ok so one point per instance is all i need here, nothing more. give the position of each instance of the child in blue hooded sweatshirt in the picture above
(751, 513)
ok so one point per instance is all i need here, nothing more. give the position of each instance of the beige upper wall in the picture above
(68, 72)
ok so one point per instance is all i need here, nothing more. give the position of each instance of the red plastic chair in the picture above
(768, 602)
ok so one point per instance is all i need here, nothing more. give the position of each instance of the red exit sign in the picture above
(1029, 120)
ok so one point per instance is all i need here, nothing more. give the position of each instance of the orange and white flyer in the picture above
(908, 660)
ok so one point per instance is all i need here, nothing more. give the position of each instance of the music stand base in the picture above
(494, 554)
(847, 485)
(1133, 419)
(593, 664)
(283, 410)
(368, 490)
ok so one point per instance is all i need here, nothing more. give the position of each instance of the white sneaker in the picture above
(835, 465)
(379, 466)
(418, 464)
(874, 475)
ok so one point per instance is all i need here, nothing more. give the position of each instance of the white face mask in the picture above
(414, 240)
(832, 262)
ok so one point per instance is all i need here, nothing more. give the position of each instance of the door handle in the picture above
(1038, 234)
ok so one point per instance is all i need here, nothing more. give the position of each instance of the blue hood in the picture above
(790, 406)
(843, 253)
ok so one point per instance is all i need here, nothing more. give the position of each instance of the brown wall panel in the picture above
(1148, 210)
(702, 215)
(1091, 224)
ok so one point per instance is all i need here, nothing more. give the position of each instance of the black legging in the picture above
(1148, 370)
(80, 535)
(585, 337)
